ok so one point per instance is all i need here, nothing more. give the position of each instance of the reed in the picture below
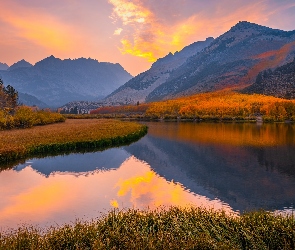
(72, 135)
(175, 228)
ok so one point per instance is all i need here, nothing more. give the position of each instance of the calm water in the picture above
(235, 167)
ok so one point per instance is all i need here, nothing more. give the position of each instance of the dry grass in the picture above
(175, 228)
(70, 135)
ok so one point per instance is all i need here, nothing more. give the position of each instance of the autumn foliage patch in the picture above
(220, 105)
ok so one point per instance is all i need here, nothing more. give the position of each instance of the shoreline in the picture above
(258, 120)
(69, 137)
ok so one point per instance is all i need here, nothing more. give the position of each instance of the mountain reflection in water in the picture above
(221, 166)
(62, 197)
(246, 165)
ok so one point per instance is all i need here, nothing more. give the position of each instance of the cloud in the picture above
(118, 31)
(153, 28)
(129, 12)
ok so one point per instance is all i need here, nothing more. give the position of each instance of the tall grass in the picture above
(176, 228)
(71, 135)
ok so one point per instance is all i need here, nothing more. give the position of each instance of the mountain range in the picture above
(56, 82)
(233, 60)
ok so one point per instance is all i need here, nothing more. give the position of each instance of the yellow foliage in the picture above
(25, 117)
(224, 105)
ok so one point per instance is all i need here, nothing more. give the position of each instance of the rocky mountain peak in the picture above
(3, 66)
(20, 64)
(242, 25)
(179, 57)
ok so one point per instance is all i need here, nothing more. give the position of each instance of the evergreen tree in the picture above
(12, 96)
(8, 98)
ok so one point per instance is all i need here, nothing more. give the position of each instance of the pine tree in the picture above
(12, 97)
(8, 98)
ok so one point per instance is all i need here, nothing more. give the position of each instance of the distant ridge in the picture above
(30, 100)
(20, 64)
(56, 82)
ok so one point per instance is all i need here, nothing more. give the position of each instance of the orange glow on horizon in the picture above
(133, 33)
(40, 29)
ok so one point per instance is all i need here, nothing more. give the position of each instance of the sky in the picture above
(134, 33)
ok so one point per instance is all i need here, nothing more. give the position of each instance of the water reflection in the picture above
(234, 134)
(62, 197)
(229, 166)
(77, 163)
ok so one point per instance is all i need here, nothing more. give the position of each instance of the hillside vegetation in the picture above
(279, 82)
(220, 105)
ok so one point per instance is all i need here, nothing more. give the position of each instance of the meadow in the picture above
(223, 105)
(71, 135)
(175, 228)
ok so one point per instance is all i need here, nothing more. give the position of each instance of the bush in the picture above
(25, 117)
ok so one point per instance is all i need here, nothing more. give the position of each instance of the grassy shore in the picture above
(175, 228)
(72, 135)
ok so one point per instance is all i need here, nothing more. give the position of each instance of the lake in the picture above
(236, 167)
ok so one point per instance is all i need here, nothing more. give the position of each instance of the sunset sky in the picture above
(133, 33)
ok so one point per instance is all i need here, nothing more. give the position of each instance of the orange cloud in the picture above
(129, 12)
(149, 35)
(118, 31)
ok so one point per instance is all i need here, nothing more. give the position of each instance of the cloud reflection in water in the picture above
(63, 197)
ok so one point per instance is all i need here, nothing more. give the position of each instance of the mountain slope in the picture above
(55, 81)
(20, 64)
(280, 82)
(30, 100)
(232, 60)
(138, 88)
